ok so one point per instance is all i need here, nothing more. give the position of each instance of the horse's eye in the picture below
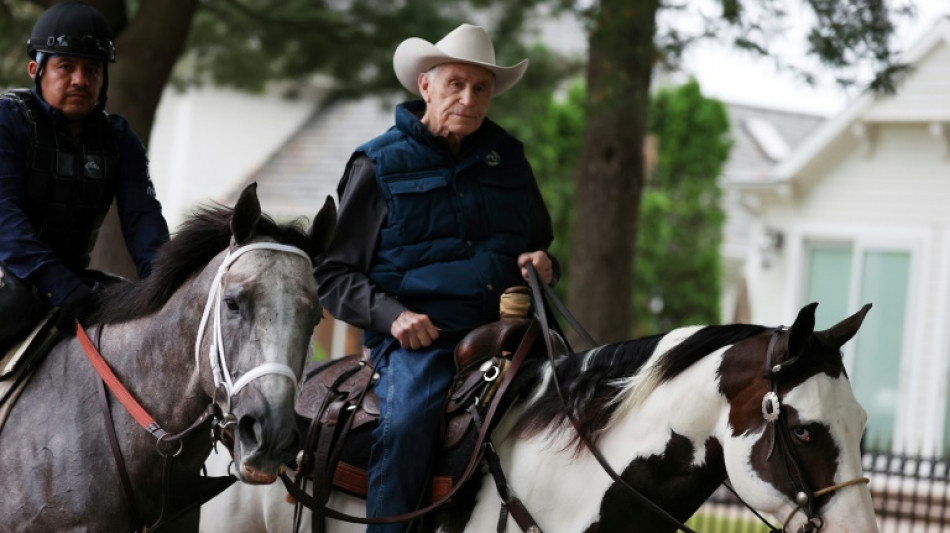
(232, 305)
(801, 433)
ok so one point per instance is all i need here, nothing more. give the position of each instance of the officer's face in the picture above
(70, 84)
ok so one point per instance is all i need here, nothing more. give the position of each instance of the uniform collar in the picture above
(58, 117)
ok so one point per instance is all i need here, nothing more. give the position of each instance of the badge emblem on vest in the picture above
(492, 159)
(93, 170)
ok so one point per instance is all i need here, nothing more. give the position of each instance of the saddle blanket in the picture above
(15, 365)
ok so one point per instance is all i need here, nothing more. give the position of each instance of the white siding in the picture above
(205, 142)
(895, 197)
(924, 96)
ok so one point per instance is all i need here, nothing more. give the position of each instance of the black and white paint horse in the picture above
(227, 316)
(768, 409)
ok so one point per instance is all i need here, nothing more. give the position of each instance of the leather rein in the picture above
(541, 313)
(219, 417)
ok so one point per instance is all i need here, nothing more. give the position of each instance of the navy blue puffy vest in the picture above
(455, 226)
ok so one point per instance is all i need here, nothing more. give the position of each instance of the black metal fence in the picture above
(911, 494)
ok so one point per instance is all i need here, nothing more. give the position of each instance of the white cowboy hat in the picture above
(465, 44)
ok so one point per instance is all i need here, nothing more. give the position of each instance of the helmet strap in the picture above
(41, 58)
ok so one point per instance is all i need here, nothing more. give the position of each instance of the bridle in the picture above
(219, 416)
(223, 381)
(783, 441)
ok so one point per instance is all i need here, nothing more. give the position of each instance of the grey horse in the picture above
(224, 319)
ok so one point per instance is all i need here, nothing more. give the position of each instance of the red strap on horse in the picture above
(121, 393)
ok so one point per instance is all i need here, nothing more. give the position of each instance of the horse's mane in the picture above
(595, 383)
(205, 234)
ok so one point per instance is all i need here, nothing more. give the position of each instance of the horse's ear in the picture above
(324, 226)
(843, 331)
(802, 329)
(246, 215)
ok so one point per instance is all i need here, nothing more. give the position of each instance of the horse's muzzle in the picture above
(261, 449)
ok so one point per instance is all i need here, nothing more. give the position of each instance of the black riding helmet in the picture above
(74, 29)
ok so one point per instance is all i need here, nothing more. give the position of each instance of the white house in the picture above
(859, 212)
(761, 138)
(206, 141)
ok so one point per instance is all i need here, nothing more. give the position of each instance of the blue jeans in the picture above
(411, 391)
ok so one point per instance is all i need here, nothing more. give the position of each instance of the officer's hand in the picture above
(413, 330)
(542, 264)
(76, 307)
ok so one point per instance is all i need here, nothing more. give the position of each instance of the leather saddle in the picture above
(337, 411)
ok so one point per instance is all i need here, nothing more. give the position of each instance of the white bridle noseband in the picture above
(219, 364)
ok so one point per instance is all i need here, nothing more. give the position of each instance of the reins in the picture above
(134, 408)
(771, 410)
(594, 451)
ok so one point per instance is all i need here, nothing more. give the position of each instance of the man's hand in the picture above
(76, 306)
(542, 264)
(413, 330)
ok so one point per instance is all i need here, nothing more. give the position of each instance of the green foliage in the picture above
(247, 44)
(16, 21)
(319, 354)
(551, 126)
(712, 521)
(681, 217)
(852, 40)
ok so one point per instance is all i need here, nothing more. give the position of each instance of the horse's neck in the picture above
(154, 357)
(672, 433)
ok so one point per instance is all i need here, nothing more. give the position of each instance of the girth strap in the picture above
(510, 504)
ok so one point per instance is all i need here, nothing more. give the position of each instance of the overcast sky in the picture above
(737, 78)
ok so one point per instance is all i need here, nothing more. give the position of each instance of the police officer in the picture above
(63, 160)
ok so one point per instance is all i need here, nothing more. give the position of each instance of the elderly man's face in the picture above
(457, 96)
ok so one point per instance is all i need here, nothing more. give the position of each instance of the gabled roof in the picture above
(299, 176)
(762, 137)
(841, 129)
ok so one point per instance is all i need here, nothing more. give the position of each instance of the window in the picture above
(842, 277)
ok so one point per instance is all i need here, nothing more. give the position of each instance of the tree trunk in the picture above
(146, 51)
(609, 178)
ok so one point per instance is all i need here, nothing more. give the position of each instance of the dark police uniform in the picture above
(55, 190)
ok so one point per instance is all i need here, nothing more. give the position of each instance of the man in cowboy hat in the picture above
(437, 217)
